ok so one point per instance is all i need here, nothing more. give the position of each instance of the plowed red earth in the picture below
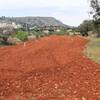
(51, 68)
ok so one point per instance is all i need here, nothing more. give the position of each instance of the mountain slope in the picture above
(35, 21)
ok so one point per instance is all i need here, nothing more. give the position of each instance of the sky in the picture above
(70, 12)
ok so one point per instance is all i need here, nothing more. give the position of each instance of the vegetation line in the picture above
(93, 49)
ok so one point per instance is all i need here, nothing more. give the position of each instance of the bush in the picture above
(21, 35)
(61, 32)
(38, 33)
(3, 43)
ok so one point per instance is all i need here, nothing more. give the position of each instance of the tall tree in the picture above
(95, 5)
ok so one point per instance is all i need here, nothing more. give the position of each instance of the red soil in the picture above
(51, 68)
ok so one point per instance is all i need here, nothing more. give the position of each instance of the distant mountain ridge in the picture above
(34, 21)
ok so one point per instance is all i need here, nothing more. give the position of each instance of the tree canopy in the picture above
(95, 5)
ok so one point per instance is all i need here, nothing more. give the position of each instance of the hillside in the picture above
(34, 21)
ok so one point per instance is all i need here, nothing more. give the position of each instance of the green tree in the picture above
(85, 27)
(95, 5)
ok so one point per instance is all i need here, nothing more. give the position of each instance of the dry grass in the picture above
(93, 49)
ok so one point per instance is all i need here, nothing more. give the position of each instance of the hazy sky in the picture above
(70, 12)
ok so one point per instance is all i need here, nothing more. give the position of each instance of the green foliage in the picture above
(21, 35)
(75, 29)
(37, 33)
(95, 5)
(61, 32)
(4, 35)
(3, 43)
(86, 26)
(4, 38)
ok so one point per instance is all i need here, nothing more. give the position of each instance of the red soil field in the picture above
(50, 68)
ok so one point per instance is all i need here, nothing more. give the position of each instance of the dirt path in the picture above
(52, 68)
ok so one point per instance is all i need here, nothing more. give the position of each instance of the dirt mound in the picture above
(51, 68)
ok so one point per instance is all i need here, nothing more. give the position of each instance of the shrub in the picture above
(38, 33)
(21, 35)
(61, 32)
